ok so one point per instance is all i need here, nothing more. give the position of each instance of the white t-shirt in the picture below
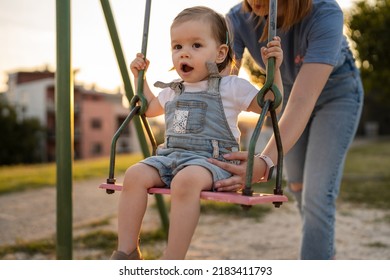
(236, 94)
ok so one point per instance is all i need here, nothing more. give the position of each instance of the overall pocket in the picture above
(189, 116)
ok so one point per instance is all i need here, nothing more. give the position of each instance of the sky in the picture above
(28, 39)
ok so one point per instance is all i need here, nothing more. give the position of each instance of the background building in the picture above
(97, 115)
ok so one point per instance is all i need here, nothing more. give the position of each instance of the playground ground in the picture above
(361, 233)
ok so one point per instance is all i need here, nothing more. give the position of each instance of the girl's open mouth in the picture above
(186, 68)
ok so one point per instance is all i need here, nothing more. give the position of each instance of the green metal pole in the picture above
(124, 71)
(130, 93)
(117, 48)
(64, 130)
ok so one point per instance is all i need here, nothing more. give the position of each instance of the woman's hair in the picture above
(219, 28)
(292, 11)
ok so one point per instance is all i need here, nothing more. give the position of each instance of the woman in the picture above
(322, 105)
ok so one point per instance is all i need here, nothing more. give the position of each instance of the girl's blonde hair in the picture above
(292, 11)
(218, 26)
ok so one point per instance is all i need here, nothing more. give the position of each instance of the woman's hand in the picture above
(273, 49)
(237, 180)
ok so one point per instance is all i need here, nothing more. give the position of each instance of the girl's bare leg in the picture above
(133, 202)
(185, 208)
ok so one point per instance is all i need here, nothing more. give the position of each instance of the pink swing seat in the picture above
(228, 197)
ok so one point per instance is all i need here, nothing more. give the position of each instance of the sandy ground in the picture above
(361, 233)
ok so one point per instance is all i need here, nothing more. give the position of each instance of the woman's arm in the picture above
(307, 88)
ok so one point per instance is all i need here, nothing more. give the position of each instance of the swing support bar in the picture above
(64, 131)
(130, 95)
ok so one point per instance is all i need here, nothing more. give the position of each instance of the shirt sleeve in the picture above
(167, 94)
(241, 92)
(325, 36)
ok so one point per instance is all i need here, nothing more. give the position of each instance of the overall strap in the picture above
(177, 87)
(213, 81)
(214, 78)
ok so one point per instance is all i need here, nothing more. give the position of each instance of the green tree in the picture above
(256, 74)
(20, 138)
(368, 27)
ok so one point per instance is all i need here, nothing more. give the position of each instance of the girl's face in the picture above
(259, 7)
(193, 44)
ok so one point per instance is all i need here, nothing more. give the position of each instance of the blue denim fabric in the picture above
(196, 129)
(317, 160)
(169, 162)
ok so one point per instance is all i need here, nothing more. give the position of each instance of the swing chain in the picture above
(270, 106)
(270, 86)
(140, 101)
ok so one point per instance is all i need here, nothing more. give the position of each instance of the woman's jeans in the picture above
(317, 161)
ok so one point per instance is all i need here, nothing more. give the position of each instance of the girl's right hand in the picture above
(138, 64)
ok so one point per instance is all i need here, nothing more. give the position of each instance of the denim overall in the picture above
(196, 129)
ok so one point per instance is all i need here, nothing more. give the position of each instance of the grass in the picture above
(22, 177)
(366, 177)
(44, 247)
(101, 240)
(378, 245)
